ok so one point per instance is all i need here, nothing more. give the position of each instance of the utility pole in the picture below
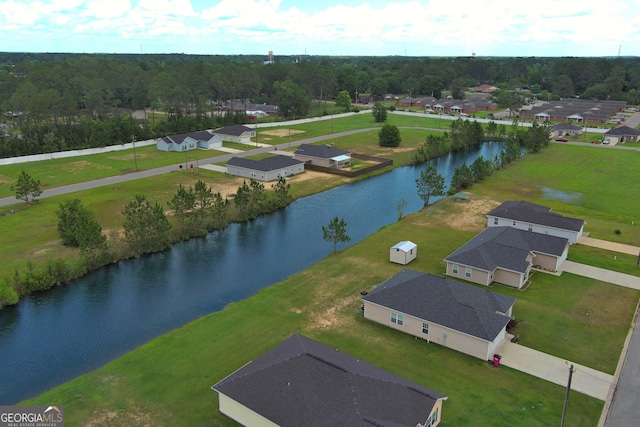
(566, 395)
(135, 159)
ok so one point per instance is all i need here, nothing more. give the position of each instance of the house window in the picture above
(495, 221)
(530, 227)
(514, 223)
(397, 318)
(432, 420)
(455, 268)
(467, 271)
(425, 328)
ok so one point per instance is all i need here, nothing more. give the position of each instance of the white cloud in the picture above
(107, 9)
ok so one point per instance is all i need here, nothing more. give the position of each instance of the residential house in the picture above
(574, 110)
(304, 383)
(323, 155)
(506, 255)
(267, 169)
(537, 218)
(622, 134)
(440, 310)
(236, 133)
(188, 141)
(403, 252)
(485, 88)
(564, 129)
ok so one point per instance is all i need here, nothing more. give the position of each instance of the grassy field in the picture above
(167, 381)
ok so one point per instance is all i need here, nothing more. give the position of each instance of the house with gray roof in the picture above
(537, 218)
(323, 155)
(440, 310)
(267, 169)
(506, 255)
(622, 134)
(302, 382)
(189, 141)
(236, 133)
(564, 129)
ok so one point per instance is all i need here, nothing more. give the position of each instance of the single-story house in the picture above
(302, 382)
(462, 317)
(188, 141)
(403, 252)
(236, 133)
(537, 218)
(622, 134)
(485, 88)
(563, 129)
(323, 155)
(506, 255)
(267, 169)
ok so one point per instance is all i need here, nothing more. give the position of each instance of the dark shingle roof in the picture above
(235, 130)
(304, 383)
(266, 165)
(507, 248)
(532, 213)
(320, 151)
(446, 302)
(179, 138)
(622, 130)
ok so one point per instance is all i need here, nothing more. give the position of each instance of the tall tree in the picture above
(27, 188)
(281, 189)
(77, 226)
(379, 113)
(183, 205)
(343, 100)
(146, 228)
(430, 183)
(336, 232)
(291, 99)
(389, 136)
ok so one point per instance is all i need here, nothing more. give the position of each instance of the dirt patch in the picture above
(281, 132)
(7, 180)
(132, 417)
(81, 166)
(469, 215)
(314, 175)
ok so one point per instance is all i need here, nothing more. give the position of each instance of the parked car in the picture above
(562, 139)
(605, 142)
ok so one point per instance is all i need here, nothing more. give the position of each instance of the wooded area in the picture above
(53, 102)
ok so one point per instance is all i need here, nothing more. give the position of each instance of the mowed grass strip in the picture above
(168, 380)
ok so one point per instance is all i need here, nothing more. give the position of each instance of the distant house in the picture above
(506, 255)
(188, 141)
(564, 129)
(323, 155)
(267, 169)
(304, 383)
(403, 252)
(574, 110)
(484, 88)
(236, 133)
(537, 218)
(441, 310)
(622, 134)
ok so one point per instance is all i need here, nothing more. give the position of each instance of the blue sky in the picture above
(328, 27)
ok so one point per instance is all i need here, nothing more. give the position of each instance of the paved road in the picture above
(8, 201)
(602, 274)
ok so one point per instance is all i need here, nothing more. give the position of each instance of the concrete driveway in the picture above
(608, 276)
(556, 370)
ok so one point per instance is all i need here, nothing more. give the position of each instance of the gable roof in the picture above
(622, 130)
(520, 210)
(321, 151)
(446, 302)
(302, 382)
(507, 248)
(234, 130)
(265, 165)
(405, 246)
(179, 138)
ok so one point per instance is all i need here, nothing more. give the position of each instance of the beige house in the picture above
(236, 133)
(443, 311)
(304, 383)
(267, 169)
(323, 155)
(537, 218)
(622, 134)
(506, 255)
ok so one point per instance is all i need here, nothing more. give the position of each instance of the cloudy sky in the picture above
(324, 27)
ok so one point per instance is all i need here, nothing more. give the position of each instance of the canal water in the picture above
(55, 336)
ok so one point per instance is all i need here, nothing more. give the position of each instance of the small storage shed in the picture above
(403, 252)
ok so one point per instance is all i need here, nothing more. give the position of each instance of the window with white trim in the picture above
(454, 268)
(495, 221)
(530, 227)
(397, 318)
(425, 328)
(467, 271)
(433, 419)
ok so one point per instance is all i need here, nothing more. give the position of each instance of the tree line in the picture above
(64, 101)
(195, 211)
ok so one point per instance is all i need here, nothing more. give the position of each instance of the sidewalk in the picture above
(610, 246)
(556, 370)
